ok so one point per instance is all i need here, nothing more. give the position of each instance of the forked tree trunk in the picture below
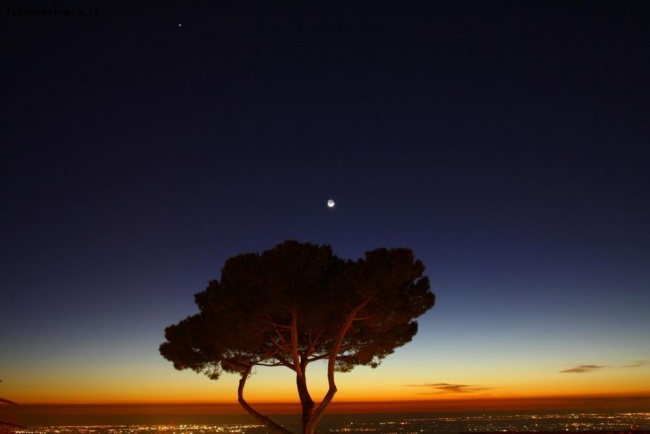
(317, 415)
(314, 420)
(310, 417)
(311, 414)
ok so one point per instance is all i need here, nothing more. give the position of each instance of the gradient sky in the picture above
(506, 143)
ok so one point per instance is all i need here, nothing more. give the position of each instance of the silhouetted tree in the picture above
(298, 303)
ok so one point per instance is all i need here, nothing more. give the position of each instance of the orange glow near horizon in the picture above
(382, 398)
(566, 403)
(558, 402)
(395, 386)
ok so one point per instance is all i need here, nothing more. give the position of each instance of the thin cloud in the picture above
(581, 369)
(439, 388)
(638, 364)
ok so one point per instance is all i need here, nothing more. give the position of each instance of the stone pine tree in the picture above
(296, 304)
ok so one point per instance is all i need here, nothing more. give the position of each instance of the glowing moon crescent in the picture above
(330, 203)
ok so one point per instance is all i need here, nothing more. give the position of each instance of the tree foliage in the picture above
(298, 303)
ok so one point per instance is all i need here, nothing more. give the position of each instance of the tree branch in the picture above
(260, 417)
(15, 425)
(294, 343)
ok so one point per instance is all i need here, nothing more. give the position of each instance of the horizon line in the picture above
(428, 403)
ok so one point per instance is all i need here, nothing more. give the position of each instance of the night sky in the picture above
(506, 143)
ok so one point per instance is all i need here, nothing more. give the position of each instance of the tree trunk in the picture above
(260, 417)
(305, 400)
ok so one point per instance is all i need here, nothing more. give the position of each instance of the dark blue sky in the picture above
(505, 142)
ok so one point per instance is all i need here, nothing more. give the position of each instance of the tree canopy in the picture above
(298, 303)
